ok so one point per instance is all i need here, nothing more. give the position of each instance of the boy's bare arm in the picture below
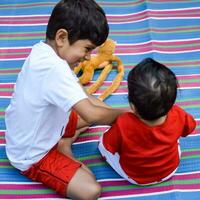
(96, 114)
(97, 102)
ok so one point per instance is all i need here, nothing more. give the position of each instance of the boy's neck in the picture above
(52, 44)
(155, 122)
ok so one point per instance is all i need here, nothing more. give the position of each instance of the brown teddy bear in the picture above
(103, 60)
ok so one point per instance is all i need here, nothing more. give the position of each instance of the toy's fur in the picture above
(103, 60)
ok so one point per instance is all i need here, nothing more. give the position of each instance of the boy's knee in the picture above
(93, 192)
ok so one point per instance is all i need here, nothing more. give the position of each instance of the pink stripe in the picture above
(21, 186)
(29, 196)
(5, 164)
(21, 56)
(188, 77)
(187, 103)
(88, 138)
(7, 94)
(2, 141)
(10, 71)
(197, 84)
(10, 85)
(96, 129)
(92, 161)
(190, 153)
(13, 18)
(13, 50)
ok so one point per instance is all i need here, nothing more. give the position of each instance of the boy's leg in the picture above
(83, 185)
(75, 127)
(65, 175)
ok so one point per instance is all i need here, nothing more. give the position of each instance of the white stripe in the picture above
(26, 47)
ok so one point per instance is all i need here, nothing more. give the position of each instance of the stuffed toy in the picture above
(104, 59)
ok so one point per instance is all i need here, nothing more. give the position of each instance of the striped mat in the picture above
(168, 31)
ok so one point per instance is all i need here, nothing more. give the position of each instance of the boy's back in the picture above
(148, 153)
(143, 146)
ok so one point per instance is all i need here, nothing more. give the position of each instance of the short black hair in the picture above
(152, 89)
(83, 19)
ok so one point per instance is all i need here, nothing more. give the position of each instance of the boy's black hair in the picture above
(83, 19)
(152, 89)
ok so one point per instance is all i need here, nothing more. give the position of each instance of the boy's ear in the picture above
(61, 37)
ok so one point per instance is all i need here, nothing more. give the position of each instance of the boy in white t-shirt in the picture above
(41, 125)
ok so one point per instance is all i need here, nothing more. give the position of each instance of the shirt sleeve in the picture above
(61, 88)
(189, 126)
(112, 139)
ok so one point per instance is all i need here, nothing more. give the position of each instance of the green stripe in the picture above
(187, 99)
(189, 80)
(13, 53)
(27, 191)
(90, 134)
(190, 150)
(22, 38)
(190, 157)
(6, 89)
(88, 157)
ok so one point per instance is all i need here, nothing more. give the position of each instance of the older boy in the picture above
(45, 94)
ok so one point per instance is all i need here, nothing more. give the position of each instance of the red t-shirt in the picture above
(148, 153)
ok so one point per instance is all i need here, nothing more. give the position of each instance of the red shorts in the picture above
(56, 169)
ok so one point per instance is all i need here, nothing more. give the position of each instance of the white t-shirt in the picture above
(45, 91)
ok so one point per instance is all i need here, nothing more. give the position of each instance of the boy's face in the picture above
(74, 53)
(78, 51)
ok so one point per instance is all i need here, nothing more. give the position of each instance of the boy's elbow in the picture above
(91, 119)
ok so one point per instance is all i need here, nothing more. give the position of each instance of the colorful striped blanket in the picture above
(168, 31)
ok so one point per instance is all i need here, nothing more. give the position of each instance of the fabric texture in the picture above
(167, 31)
(148, 153)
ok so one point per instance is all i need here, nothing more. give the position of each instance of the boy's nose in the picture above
(88, 56)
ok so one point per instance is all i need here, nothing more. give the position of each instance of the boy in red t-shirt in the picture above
(143, 145)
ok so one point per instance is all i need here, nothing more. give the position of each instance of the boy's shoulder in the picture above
(45, 58)
(127, 117)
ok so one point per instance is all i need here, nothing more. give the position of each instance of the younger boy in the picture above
(47, 97)
(143, 145)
